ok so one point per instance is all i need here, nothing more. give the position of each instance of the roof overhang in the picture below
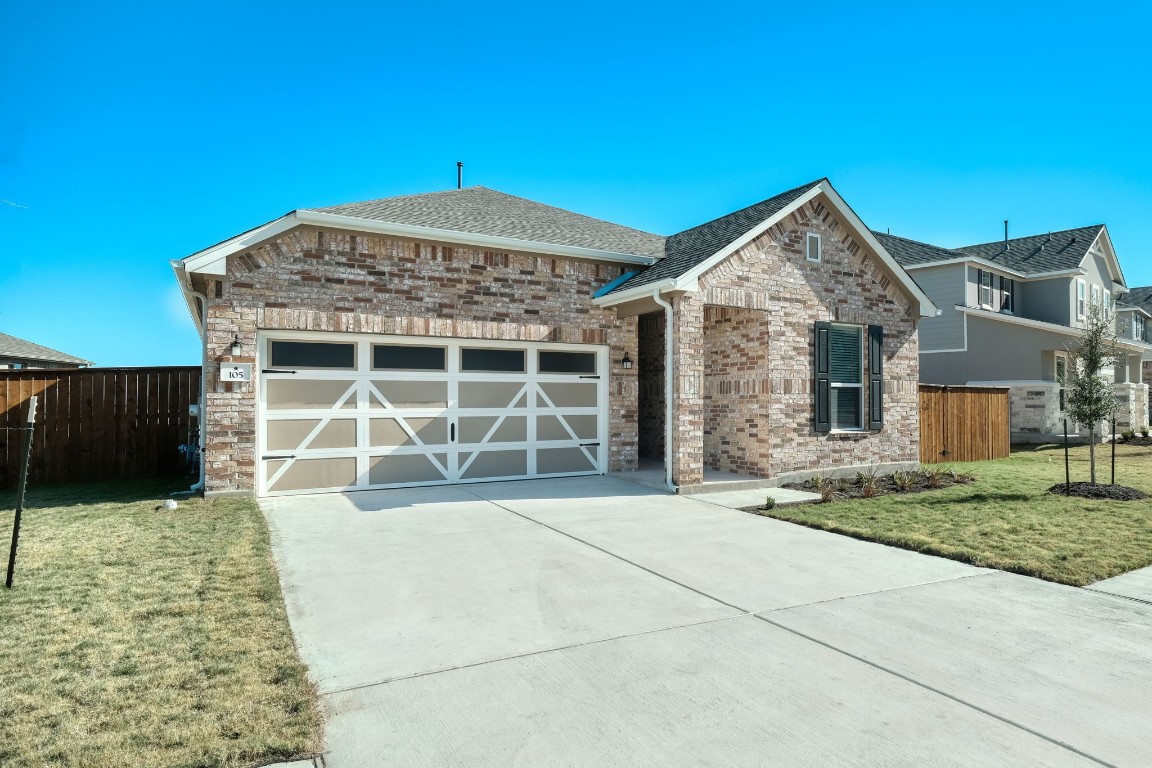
(1104, 241)
(994, 267)
(213, 261)
(689, 281)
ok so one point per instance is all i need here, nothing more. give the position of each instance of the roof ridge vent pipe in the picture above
(1006, 246)
(668, 390)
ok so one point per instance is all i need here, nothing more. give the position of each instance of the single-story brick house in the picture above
(470, 335)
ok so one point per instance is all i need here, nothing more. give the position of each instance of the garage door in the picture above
(339, 412)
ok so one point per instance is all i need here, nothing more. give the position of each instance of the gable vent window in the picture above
(813, 248)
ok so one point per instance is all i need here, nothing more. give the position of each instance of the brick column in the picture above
(688, 385)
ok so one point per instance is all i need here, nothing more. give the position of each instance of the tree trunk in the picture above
(1092, 452)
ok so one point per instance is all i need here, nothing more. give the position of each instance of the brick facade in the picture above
(317, 280)
(771, 276)
(737, 372)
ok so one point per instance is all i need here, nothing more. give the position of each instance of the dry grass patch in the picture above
(1006, 518)
(145, 637)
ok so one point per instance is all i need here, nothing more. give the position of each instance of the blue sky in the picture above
(135, 133)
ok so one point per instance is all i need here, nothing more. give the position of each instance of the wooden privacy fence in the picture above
(97, 423)
(963, 423)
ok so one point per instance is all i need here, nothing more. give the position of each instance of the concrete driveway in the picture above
(593, 622)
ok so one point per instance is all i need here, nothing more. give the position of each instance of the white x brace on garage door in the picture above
(345, 412)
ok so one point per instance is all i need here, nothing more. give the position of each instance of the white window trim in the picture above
(858, 386)
(809, 237)
(1081, 298)
(1096, 296)
(981, 276)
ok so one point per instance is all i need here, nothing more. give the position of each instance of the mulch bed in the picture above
(864, 486)
(1138, 440)
(1100, 491)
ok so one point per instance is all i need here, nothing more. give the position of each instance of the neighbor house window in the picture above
(1107, 301)
(812, 246)
(985, 288)
(1007, 294)
(1139, 328)
(1096, 296)
(1081, 291)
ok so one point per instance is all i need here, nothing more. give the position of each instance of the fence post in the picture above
(1067, 474)
(20, 489)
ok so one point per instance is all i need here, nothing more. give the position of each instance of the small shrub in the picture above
(903, 481)
(932, 478)
(869, 484)
(1144, 431)
(1127, 435)
(769, 503)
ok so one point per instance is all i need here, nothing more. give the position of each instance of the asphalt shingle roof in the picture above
(479, 210)
(912, 252)
(687, 249)
(1055, 252)
(1137, 297)
(12, 347)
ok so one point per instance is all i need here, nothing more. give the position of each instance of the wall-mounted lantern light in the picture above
(236, 349)
(626, 363)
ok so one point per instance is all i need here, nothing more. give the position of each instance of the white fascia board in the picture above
(927, 307)
(1105, 241)
(189, 298)
(640, 292)
(693, 275)
(992, 267)
(337, 221)
(214, 260)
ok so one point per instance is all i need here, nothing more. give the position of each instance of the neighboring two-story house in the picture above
(1009, 312)
(1134, 322)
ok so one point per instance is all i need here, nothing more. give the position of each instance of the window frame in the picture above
(984, 283)
(1139, 328)
(1007, 295)
(857, 385)
(1081, 299)
(809, 238)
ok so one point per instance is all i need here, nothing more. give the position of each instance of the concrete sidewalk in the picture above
(590, 621)
(1136, 585)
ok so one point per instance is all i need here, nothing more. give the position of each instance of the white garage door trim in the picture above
(464, 426)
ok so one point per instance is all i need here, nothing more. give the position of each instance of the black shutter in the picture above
(823, 388)
(875, 377)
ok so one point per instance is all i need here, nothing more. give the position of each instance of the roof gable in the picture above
(692, 247)
(10, 346)
(483, 211)
(1140, 298)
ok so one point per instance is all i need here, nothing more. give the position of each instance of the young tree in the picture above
(1089, 395)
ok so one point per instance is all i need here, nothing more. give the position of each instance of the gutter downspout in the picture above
(201, 319)
(668, 390)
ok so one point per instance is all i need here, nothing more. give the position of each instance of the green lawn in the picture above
(137, 637)
(1007, 520)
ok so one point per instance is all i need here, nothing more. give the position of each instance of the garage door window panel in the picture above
(581, 363)
(475, 360)
(406, 357)
(312, 354)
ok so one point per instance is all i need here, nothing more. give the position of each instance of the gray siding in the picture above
(945, 286)
(1052, 301)
(1002, 351)
(944, 368)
